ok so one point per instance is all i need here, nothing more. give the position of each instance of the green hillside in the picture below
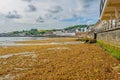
(76, 26)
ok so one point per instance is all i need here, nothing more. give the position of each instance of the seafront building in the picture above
(110, 12)
(109, 23)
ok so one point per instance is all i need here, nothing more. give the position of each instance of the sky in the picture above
(46, 14)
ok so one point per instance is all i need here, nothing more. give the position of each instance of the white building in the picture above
(84, 29)
(63, 33)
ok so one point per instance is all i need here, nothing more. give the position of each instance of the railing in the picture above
(118, 24)
(105, 27)
(102, 3)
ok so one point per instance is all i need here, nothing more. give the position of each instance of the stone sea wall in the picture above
(111, 37)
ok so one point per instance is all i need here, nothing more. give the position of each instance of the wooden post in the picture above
(111, 22)
(107, 27)
(116, 17)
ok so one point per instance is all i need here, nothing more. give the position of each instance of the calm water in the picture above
(12, 39)
(5, 41)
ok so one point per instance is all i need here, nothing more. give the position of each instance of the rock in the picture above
(107, 70)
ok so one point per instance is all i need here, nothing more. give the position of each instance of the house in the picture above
(82, 29)
(64, 33)
(81, 32)
(49, 33)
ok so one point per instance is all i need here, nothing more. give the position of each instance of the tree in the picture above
(74, 27)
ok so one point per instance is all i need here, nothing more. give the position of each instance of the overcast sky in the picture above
(46, 14)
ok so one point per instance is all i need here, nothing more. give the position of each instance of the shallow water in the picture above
(12, 39)
(23, 53)
(5, 45)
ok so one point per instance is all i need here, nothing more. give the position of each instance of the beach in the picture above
(57, 59)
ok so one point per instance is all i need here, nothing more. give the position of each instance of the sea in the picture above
(11, 40)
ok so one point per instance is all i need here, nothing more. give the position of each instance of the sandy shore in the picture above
(57, 61)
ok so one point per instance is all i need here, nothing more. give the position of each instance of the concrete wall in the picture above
(111, 37)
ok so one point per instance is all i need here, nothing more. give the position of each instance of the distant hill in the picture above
(76, 26)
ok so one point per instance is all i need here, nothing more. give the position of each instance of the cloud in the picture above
(13, 15)
(89, 22)
(48, 16)
(27, 0)
(40, 20)
(31, 8)
(55, 9)
(51, 13)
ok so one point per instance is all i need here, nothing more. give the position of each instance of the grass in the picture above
(114, 51)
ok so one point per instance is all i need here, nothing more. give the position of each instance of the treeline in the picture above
(75, 26)
(32, 32)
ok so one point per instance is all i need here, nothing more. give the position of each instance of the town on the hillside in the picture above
(77, 30)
